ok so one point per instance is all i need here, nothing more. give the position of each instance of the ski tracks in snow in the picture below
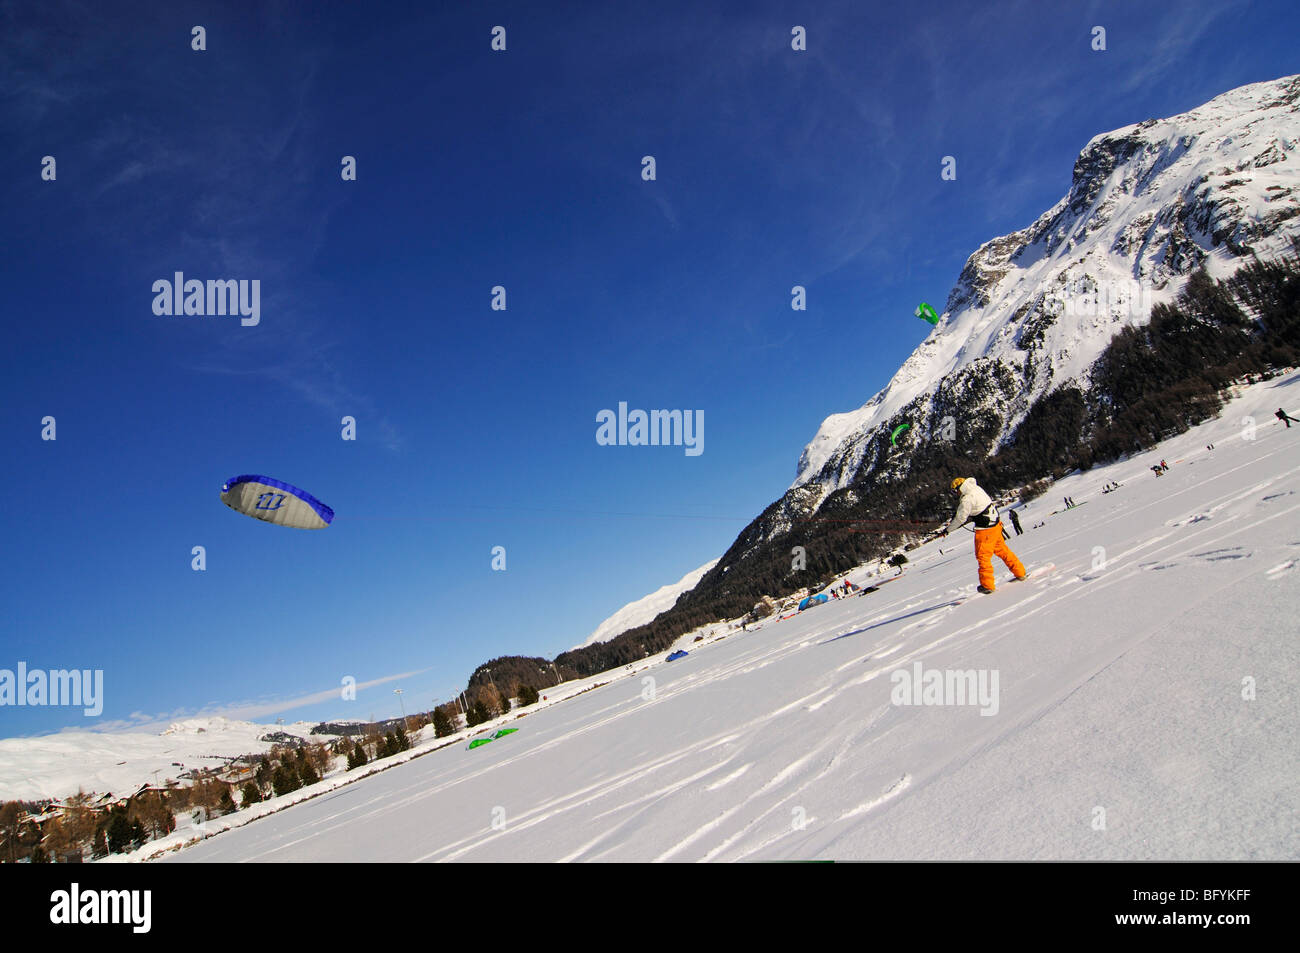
(893, 791)
(787, 783)
(1280, 570)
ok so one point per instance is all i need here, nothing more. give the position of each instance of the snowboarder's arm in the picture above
(960, 518)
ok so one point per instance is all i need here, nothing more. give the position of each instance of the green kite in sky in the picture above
(926, 313)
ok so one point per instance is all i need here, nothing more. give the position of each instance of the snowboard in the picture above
(1035, 575)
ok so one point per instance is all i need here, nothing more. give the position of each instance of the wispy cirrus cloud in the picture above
(250, 710)
(1183, 27)
(179, 173)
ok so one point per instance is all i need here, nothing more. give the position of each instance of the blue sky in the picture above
(476, 428)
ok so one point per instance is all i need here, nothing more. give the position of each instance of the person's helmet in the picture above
(956, 483)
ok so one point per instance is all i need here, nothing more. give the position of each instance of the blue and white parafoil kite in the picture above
(275, 502)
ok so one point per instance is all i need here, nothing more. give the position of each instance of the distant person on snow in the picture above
(1015, 522)
(1282, 416)
(974, 505)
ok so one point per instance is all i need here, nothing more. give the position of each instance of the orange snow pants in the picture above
(989, 543)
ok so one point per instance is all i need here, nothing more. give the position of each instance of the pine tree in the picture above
(251, 795)
(442, 726)
(284, 780)
(263, 775)
(119, 831)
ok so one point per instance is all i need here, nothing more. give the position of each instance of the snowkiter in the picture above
(974, 505)
(1015, 522)
(1282, 416)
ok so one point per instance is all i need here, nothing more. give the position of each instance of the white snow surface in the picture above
(1147, 705)
(1239, 152)
(644, 610)
(120, 762)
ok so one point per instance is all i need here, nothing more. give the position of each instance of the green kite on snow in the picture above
(501, 733)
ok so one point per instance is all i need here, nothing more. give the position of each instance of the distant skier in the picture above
(1282, 416)
(1015, 522)
(974, 505)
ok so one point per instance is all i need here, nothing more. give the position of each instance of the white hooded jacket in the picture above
(974, 504)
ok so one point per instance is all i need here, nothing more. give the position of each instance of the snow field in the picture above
(1121, 730)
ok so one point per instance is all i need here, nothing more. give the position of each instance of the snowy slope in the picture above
(644, 610)
(1035, 309)
(57, 765)
(1146, 706)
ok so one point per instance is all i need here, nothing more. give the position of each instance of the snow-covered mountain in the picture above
(644, 610)
(119, 762)
(1033, 310)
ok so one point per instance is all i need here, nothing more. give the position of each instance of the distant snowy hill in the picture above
(646, 608)
(57, 765)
